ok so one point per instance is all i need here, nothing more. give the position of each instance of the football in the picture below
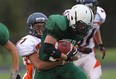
(64, 46)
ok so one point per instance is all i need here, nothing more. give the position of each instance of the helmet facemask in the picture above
(39, 27)
(81, 28)
(36, 29)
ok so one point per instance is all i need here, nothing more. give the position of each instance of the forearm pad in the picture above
(51, 50)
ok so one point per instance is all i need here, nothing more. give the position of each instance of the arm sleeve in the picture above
(56, 26)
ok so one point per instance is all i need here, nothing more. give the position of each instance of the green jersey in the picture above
(4, 34)
(58, 27)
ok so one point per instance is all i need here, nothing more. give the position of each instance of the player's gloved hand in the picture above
(15, 75)
(84, 50)
(102, 48)
(71, 54)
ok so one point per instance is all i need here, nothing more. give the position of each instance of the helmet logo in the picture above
(40, 19)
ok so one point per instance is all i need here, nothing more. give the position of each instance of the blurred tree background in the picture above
(13, 13)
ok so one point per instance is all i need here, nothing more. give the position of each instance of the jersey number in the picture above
(22, 40)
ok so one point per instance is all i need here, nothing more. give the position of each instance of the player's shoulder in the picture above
(57, 18)
(58, 21)
(2, 26)
(29, 40)
(4, 34)
(27, 45)
(4, 30)
(32, 38)
(101, 12)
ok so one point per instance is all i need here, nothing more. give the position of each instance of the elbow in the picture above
(40, 67)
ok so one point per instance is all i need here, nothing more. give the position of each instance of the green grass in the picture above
(6, 75)
(107, 73)
(109, 57)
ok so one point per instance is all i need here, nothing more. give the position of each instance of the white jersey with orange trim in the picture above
(88, 62)
(27, 46)
(100, 17)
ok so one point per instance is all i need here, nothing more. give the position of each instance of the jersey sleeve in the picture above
(100, 15)
(56, 26)
(4, 34)
(27, 46)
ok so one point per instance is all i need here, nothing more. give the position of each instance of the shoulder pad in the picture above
(101, 12)
(27, 45)
(58, 21)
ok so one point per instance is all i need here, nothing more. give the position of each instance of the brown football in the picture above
(64, 46)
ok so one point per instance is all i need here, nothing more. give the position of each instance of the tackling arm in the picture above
(42, 65)
(50, 49)
(50, 40)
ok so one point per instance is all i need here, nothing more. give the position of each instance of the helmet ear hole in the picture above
(71, 17)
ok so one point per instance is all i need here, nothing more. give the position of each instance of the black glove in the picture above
(84, 50)
(15, 75)
(102, 48)
(71, 54)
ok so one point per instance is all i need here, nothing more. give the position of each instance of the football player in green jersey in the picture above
(75, 26)
(8, 45)
(29, 45)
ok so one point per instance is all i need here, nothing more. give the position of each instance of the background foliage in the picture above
(14, 13)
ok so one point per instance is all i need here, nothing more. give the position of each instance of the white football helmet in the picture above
(80, 17)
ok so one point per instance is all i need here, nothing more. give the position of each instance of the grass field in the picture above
(108, 72)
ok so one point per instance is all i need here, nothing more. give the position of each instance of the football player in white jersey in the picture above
(86, 56)
(28, 46)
